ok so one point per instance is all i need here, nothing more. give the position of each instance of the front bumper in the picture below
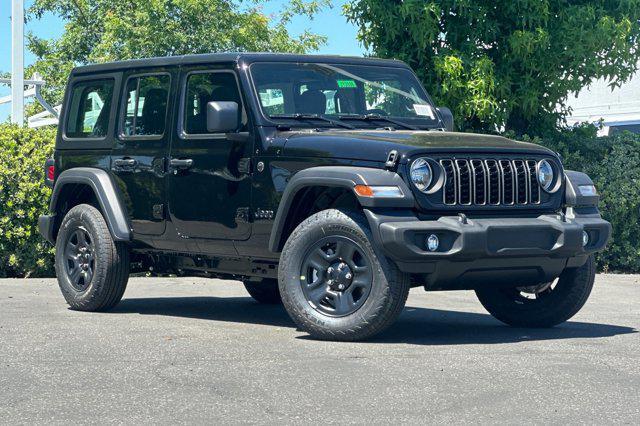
(501, 251)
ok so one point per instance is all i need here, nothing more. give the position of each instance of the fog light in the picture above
(433, 242)
(585, 238)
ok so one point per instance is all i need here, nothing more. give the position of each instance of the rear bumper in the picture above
(496, 250)
(46, 227)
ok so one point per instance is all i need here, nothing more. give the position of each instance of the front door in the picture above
(138, 158)
(209, 184)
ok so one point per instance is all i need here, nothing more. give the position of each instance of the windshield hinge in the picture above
(392, 160)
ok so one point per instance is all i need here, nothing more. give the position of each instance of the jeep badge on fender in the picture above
(329, 184)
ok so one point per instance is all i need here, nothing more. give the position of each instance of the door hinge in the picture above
(244, 165)
(242, 215)
(158, 211)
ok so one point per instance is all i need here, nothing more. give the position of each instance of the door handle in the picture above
(125, 163)
(181, 164)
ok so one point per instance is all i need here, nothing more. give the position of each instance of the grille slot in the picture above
(479, 182)
(449, 190)
(534, 196)
(492, 182)
(464, 182)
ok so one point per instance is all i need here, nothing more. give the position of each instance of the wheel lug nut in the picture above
(341, 287)
(348, 276)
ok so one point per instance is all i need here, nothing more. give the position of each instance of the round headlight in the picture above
(421, 174)
(545, 175)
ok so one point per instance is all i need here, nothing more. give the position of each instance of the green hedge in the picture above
(612, 162)
(23, 197)
(614, 165)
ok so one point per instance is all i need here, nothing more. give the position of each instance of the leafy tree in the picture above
(504, 63)
(108, 30)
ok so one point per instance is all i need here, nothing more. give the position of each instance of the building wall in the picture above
(619, 108)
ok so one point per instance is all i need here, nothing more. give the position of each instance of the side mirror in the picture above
(447, 118)
(222, 117)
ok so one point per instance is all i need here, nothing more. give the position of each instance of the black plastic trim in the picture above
(573, 197)
(105, 192)
(46, 225)
(339, 176)
(517, 250)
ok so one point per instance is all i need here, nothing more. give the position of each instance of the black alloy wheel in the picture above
(79, 258)
(336, 276)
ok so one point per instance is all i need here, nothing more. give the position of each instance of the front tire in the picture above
(92, 269)
(335, 284)
(541, 306)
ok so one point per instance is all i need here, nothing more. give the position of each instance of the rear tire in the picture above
(551, 305)
(265, 291)
(335, 284)
(92, 269)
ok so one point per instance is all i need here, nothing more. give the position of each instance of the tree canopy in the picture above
(504, 64)
(108, 30)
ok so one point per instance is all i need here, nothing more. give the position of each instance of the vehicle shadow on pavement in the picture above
(228, 309)
(416, 325)
(440, 327)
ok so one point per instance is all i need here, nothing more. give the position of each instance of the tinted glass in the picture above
(340, 91)
(88, 115)
(203, 88)
(146, 105)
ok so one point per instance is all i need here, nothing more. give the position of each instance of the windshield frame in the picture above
(266, 118)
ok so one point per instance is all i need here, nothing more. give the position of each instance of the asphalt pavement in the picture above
(201, 351)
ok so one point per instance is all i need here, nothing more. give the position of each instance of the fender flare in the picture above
(344, 177)
(573, 196)
(105, 192)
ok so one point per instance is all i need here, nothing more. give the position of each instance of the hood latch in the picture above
(392, 160)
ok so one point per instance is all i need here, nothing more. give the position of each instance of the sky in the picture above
(341, 35)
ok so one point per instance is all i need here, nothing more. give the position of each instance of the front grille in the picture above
(504, 182)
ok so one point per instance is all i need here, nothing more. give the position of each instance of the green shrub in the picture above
(23, 197)
(614, 165)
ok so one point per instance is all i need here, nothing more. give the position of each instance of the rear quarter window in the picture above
(89, 109)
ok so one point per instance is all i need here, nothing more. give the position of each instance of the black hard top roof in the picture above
(246, 58)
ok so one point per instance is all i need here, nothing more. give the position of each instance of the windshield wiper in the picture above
(378, 117)
(301, 116)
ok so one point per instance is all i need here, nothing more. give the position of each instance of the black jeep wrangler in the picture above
(331, 184)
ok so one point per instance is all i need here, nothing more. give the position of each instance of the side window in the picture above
(146, 107)
(88, 115)
(203, 88)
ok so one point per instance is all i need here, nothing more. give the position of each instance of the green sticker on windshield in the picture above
(350, 84)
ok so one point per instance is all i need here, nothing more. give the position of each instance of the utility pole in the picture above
(17, 62)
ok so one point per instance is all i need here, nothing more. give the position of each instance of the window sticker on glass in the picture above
(347, 84)
(424, 110)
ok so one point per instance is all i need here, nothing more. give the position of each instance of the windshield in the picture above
(360, 95)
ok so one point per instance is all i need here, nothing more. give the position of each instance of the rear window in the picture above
(146, 105)
(88, 115)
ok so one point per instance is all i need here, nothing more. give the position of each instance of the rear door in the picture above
(210, 186)
(139, 158)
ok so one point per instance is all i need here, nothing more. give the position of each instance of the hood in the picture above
(375, 145)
